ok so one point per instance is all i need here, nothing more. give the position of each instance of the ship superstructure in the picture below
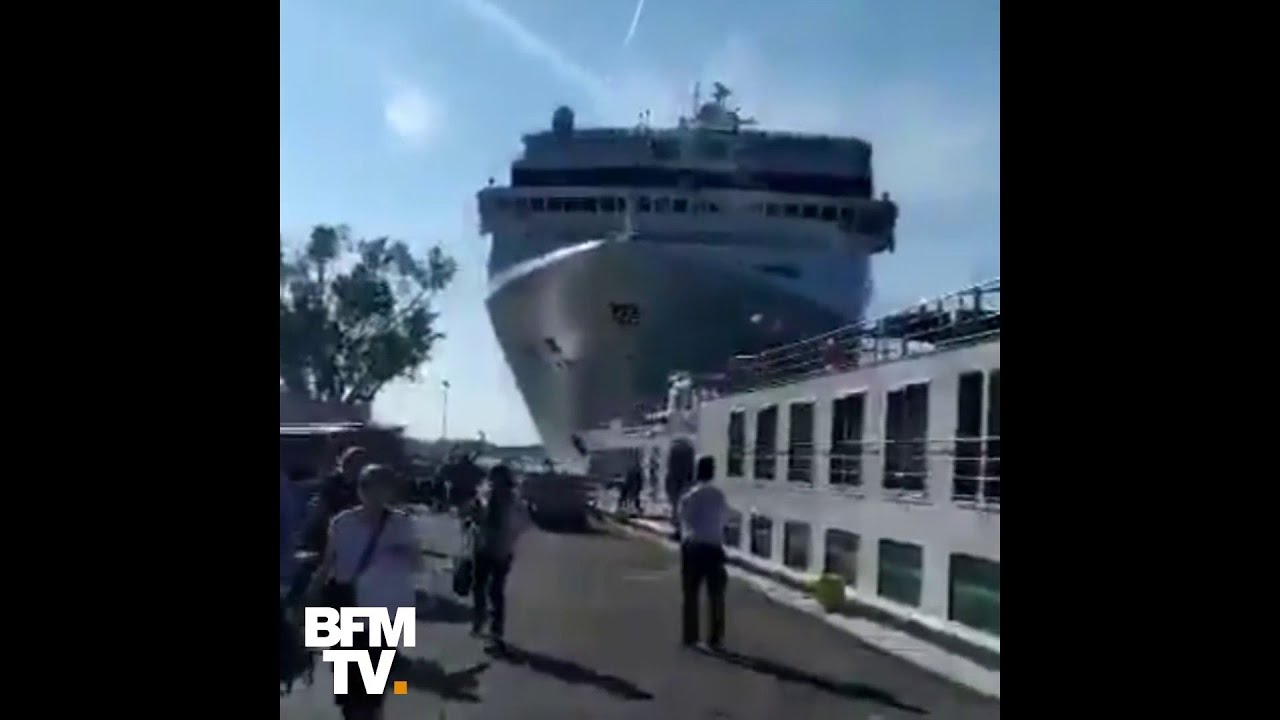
(621, 254)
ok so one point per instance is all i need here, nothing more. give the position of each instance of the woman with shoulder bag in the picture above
(369, 561)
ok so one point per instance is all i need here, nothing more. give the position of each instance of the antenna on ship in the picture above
(721, 93)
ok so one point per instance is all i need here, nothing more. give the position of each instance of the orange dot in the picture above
(400, 687)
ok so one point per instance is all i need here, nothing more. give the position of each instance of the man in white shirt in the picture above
(703, 513)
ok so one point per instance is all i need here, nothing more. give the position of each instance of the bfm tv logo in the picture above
(326, 627)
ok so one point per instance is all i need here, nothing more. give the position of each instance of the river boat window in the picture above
(840, 556)
(974, 593)
(901, 572)
(795, 545)
(733, 530)
(766, 443)
(906, 433)
(737, 443)
(761, 536)
(800, 443)
(847, 417)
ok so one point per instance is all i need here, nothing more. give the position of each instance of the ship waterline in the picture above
(594, 329)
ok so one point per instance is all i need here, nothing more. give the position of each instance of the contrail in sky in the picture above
(534, 45)
(635, 20)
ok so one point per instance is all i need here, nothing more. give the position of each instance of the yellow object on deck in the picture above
(829, 591)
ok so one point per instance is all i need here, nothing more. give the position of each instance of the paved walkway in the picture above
(594, 626)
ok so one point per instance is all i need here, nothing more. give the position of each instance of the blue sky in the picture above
(393, 113)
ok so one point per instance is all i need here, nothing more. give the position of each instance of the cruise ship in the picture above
(621, 254)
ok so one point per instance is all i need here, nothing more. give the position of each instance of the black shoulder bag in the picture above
(343, 594)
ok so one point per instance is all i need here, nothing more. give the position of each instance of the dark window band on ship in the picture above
(646, 204)
(662, 177)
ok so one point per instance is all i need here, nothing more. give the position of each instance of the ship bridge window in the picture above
(974, 593)
(665, 149)
(787, 271)
(901, 572)
(761, 536)
(846, 215)
(714, 149)
(606, 204)
(906, 433)
(733, 529)
(679, 205)
(800, 443)
(666, 177)
(737, 443)
(829, 213)
(766, 443)
(840, 555)
(772, 209)
(555, 204)
(791, 210)
(585, 205)
(661, 205)
(795, 545)
(847, 416)
(810, 211)
(642, 204)
(622, 204)
(537, 204)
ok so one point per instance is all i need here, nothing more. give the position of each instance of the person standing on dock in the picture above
(632, 486)
(337, 493)
(498, 523)
(703, 513)
(370, 557)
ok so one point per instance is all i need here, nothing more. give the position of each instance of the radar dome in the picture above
(562, 120)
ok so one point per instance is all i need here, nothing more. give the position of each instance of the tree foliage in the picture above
(356, 314)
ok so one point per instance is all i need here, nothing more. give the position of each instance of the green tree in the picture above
(356, 314)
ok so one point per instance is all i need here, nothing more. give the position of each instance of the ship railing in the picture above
(904, 466)
(966, 317)
(704, 386)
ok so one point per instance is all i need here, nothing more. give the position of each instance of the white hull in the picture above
(578, 363)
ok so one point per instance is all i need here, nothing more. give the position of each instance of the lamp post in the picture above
(444, 411)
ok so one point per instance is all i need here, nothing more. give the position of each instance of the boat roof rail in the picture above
(968, 316)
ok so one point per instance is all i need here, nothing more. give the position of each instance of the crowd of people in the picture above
(352, 545)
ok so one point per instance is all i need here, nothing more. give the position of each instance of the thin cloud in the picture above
(411, 115)
(635, 21)
(534, 45)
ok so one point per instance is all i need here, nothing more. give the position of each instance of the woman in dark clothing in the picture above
(498, 523)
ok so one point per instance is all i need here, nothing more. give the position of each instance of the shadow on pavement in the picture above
(567, 526)
(441, 609)
(430, 676)
(851, 690)
(567, 671)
